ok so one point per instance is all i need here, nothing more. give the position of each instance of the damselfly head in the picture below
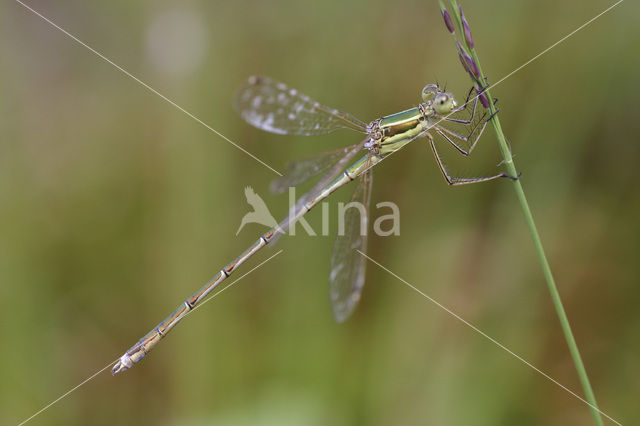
(441, 101)
(444, 103)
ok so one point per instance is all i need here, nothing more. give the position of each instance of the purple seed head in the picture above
(473, 66)
(483, 100)
(461, 12)
(464, 63)
(447, 21)
(467, 62)
(467, 31)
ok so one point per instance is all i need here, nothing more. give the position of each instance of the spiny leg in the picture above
(456, 180)
(493, 114)
(449, 134)
(481, 123)
(462, 108)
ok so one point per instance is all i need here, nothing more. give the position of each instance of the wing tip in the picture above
(255, 80)
(342, 311)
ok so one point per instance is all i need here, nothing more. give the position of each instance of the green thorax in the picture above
(400, 128)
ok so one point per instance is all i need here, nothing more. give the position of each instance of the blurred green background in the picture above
(115, 207)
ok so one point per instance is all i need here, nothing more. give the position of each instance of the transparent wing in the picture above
(346, 278)
(331, 174)
(274, 107)
(304, 168)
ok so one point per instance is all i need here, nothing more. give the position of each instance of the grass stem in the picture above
(467, 42)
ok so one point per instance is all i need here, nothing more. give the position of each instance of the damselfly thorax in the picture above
(392, 132)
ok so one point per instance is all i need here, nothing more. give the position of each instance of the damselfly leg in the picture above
(463, 107)
(474, 125)
(463, 144)
(451, 180)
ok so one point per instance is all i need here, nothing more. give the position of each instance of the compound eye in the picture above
(443, 103)
(429, 92)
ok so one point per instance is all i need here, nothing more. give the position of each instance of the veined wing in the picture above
(274, 107)
(328, 177)
(331, 174)
(346, 278)
(298, 171)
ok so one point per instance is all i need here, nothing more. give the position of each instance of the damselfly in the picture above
(276, 108)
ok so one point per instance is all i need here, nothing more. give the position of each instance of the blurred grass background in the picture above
(116, 207)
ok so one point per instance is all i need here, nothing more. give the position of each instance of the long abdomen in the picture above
(151, 339)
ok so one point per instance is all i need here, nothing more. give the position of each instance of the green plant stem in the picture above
(517, 185)
(546, 269)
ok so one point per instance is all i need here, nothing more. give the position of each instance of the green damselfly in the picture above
(274, 107)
